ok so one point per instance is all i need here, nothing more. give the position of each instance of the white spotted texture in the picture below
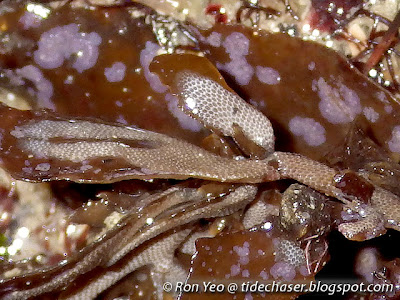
(186, 122)
(289, 252)
(387, 204)
(258, 212)
(220, 109)
(311, 131)
(297, 167)
(116, 72)
(158, 153)
(189, 246)
(30, 20)
(44, 88)
(214, 39)
(43, 167)
(370, 224)
(394, 142)
(370, 114)
(236, 44)
(268, 75)
(338, 105)
(146, 56)
(63, 42)
(237, 47)
(282, 270)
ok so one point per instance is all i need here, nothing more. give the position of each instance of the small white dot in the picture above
(315, 32)
(306, 27)
(267, 226)
(329, 44)
(23, 232)
(373, 73)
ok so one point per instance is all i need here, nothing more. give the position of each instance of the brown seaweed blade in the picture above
(127, 245)
(311, 101)
(203, 94)
(37, 146)
(128, 94)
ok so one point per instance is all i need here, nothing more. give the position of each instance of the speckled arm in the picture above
(223, 111)
(38, 147)
(220, 109)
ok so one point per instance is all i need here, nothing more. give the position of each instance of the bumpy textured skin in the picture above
(130, 237)
(307, 171)
(149, 154)
(94, 255)
(258, 212)
(387, 204)
(160, 255)
(229, 204)
(289, 252)
(50, 140)
(220, 109)
(371, 225)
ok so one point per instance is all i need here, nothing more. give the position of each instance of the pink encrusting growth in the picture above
(370, 114)
(40, 146)
(184, 120)
(65, 42)
(30, 19)
(218, 109)
(258, 267)
(43, 167)
(43, 87)
(312, 131)
(282, 270)
(214, 39)
(146, 56)
(235, 270)
(338, 104)
(330, 92)
(394, 142)
(116, 72)
(243, 253)
(237, 47)
(267, 75)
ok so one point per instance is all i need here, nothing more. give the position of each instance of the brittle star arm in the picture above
(37, 146)
(225, 112)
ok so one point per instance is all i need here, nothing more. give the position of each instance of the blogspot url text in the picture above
(276, 287)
